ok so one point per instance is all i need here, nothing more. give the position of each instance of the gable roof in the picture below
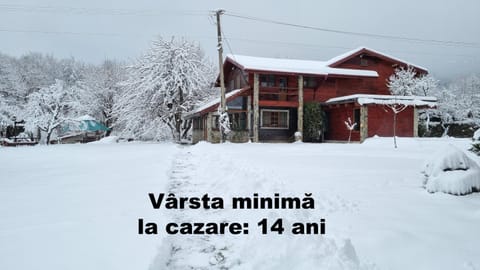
(361, 50)
(294, 66)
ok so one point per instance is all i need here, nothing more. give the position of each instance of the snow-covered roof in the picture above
(355, 51)
(85, 118)
(216, 101)
(295, 66)
(386, 100)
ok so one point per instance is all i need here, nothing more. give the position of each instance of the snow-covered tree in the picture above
(223, 123)
(162, 86)
(50, 107)
(459, 102)
(406, 82)
(11, 96)
(403, 82)
(102, 90)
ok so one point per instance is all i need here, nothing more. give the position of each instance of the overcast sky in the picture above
(93, 30)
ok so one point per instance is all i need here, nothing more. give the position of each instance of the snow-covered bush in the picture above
(451, 171)
(476, 143)
(476, 135)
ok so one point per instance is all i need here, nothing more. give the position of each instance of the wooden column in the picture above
(363, 123)
(415, 122)
(300, 105)
(249, 116)
(256, 113)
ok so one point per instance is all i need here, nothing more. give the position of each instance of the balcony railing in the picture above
(278, 94)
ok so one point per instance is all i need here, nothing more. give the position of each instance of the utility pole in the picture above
(223, 105)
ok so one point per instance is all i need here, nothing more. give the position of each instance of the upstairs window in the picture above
(310, 82)
(267, 80)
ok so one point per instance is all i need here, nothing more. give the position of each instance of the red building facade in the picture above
(266, 97)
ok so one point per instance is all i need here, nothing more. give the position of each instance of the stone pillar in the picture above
(256, 113)
(363, 123)
(300, 105)
(415, 122)
(209, 127)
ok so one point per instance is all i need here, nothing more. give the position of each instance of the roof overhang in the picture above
(361, 99)
(213, 104)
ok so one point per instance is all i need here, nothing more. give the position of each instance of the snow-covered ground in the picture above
(76, 207)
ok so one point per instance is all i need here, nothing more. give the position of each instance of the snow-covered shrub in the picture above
(451, 171)
(476, 135)
(476, 143)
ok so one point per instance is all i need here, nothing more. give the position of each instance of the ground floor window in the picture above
(274, 119)
(197, 123)
(215, 124)
(238, 120)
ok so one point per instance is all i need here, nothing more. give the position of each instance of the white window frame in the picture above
(272, 110)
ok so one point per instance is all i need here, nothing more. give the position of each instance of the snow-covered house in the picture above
(266, 97)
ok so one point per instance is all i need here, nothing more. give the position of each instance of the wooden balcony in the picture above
(278, 97)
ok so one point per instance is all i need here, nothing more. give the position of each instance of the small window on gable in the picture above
(363, 62)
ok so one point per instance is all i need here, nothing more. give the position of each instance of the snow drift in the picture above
(451, 171)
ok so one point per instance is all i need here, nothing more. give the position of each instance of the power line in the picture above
(59, 32)
(431, 41)
(97, 11)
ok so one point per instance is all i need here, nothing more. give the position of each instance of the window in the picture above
(197, 123)
(238, 103)
(275, 119)
(267, 80)
(356, 117)
(215, 124)
(310, 82)
(238, 121)
(283, 82)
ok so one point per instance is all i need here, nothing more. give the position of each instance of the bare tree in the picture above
(396, 109)
(350, 126)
